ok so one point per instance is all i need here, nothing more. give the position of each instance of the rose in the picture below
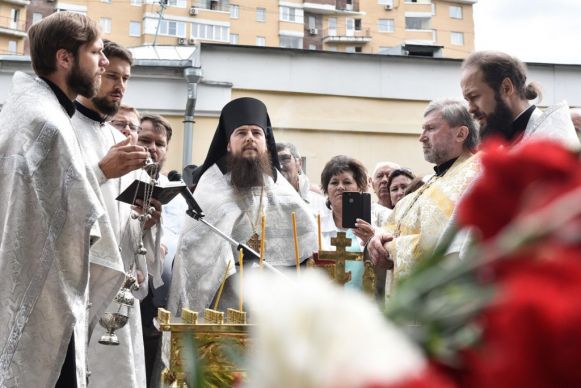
(517, 181)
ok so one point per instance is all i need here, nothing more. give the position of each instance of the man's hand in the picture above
(155, 216)
(377, 252)
(122, 158)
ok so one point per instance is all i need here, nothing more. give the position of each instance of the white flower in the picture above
(311, 333)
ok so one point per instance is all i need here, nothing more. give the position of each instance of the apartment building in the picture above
(435, 28)
(12, 26)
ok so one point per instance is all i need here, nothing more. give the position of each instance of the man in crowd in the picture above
(48, 210)
(126, 120)
(449, 137)
(237, 183)
(292, 169)
(379, 180)
(115, 162)
(495, 86)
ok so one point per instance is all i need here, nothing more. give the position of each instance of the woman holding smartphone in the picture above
(343, 173)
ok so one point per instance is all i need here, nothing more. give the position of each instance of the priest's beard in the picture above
(82, 82)
(249, 172)
(106, 107)
(498, 123)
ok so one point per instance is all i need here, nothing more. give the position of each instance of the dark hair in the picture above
(342, 163)
(159, 123)
(496, 66)
(455, 113)
(113, 50)
(415, 184)
(394, 174)
(60, 30)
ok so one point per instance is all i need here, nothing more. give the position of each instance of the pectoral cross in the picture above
(254, 242)
(341, 242)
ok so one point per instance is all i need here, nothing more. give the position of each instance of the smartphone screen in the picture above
(356, 205)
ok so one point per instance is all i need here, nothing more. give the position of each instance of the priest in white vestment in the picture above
(116, 163)
(238, 182)
(49, 211)
(417, 222)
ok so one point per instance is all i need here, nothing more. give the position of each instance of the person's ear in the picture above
(64, 59)
(462, 134)
(507, 88)
(228, 147)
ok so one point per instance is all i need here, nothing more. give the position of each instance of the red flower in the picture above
(532, 332)
(517, 181)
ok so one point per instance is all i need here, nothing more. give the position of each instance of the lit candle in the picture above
(263, 238)
(241, 261)
(221, 287)
(319, 231)
(298, 260)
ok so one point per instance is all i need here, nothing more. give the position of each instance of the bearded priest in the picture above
(238, 182)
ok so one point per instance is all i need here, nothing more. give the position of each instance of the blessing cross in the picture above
(339, 256)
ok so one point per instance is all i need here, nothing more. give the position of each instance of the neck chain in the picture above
(255, 239)
(407, 210)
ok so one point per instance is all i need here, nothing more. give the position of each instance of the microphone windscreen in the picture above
(174, 176)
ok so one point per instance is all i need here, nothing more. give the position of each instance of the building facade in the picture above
(435, 28)
(13, 26)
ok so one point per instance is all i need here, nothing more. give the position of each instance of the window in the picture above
(210, 32)
(358, 24)
(419, 1)
(106, 1)
(312, 46)
(134, 28)
(234, 11)
(260, 41)
(385, 2)
(291, 41)
(260, 14)
(455, 12)
(177, 3)
(332, 26)
(135, 2)
(234, 38)
(12, 46)
(36, 17)
(291, 14)
(14, 16)
(349, 49)
(172, 28)
(312, 22)
(386, 25)
(418, 23)
(358, 49)
(457, 38)
(105, 25)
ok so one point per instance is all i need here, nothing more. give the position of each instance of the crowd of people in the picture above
(69, 148)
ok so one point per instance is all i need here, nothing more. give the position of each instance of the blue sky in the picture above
(546, 31)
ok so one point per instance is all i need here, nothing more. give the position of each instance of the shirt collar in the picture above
(90, 113)
(63, 99)
(442, 168)
(519, 124)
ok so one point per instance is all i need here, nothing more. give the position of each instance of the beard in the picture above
(109, 108)
(499, 122)
(249, 172)
(81, 82)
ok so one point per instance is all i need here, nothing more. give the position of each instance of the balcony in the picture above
(329, 7)
(212, 5)
(342, 35)
(12, 28)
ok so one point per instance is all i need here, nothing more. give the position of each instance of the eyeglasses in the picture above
(120, 124)
(285, 159)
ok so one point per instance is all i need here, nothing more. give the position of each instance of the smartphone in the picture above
(356, 205)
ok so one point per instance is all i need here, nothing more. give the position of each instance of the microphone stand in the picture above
(196, 213)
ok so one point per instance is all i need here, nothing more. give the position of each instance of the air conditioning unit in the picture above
(193, 11)
(191, 41)
(313, 31)
(182, 41)
(388, 7)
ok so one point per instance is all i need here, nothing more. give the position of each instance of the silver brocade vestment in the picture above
(123, 364)
(48, 212)
(202, 256)
(554, 123)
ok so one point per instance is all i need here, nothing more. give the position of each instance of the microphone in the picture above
(194, 209)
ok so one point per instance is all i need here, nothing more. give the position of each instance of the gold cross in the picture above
(339, 256)
(254, 242)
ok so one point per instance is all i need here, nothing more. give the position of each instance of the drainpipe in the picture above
(193, 75)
